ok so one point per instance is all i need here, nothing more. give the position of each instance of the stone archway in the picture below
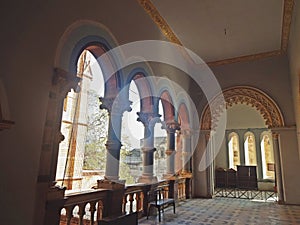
(243, 95)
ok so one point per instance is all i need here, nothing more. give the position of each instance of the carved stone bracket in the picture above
(243, 95)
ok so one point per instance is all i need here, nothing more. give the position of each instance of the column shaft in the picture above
(278, 174)
(148, 119)
(171, 128)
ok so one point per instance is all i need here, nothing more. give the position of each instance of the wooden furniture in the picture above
(246, 177)
(128, 219)
(158, 198)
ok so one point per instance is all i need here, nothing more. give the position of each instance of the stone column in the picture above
(186, 150)
(149, 119)
(278, 174)
(258, 154)
(178, 156)
(171, 128)
(242, 147)
(210, 163)
(115, 107)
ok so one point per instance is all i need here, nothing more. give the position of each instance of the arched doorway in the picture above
(249, 144)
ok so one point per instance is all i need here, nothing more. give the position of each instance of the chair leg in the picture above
(174, 207)
(148, 209)
(159, 216)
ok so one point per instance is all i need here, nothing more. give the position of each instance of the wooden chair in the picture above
(157, 198)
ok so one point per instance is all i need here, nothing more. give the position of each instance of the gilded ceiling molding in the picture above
(243, 95)
(170, 35)
(245, 58)
(159, 20)
(286, 23)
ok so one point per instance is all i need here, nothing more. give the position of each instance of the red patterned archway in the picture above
(243, 95)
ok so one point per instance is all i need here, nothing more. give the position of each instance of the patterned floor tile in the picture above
(228, 211)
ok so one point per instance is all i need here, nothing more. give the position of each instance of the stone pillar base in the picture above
(111, 184)
(115, 198)
(147, 179)
(168, 176)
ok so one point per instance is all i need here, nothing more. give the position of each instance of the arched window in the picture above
(233, 150)
(132, 133)
(84, 126)
(160, 143)
(250, 149)
(267, 154)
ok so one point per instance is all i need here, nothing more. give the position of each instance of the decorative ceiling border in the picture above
(159, 20)
(286, 23)
(171, 36)
(245, 58)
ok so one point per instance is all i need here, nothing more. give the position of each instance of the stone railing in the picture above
(83, 207)
(86, 208)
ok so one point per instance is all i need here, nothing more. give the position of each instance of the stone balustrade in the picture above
(86, 208)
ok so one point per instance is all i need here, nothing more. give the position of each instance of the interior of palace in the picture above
(105, 102)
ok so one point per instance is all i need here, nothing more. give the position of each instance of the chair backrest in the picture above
(156, 194)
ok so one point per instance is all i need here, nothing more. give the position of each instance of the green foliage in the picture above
(95, 149)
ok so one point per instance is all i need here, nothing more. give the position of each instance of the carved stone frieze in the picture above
(243, 95)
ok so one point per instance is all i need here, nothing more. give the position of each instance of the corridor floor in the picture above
(227, 211)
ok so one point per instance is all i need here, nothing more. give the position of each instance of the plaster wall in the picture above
(290, 165)
(294, 62)
(270, 75)
(31, 32)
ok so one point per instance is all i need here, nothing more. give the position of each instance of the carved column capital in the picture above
(65, 81)
(171, 126)
(148, 118)
(115, 105)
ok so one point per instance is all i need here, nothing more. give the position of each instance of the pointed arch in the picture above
(245, 95)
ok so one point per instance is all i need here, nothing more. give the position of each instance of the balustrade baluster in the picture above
(81, 213)
(124, 203)
(131, 198)
(69, 214)
(92, 210)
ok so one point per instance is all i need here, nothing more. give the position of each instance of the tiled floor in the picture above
(227, 211)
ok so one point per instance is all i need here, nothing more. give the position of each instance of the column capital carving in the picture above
(148, 118)
(146, 149)
(171, 126)
(115, 105)
(65, 81)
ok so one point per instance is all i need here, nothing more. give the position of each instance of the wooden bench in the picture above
(157, 198)
(126, 219)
